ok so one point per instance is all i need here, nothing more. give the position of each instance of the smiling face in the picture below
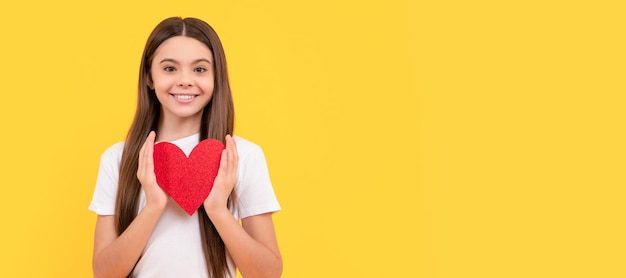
(182, 77)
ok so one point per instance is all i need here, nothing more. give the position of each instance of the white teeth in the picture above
(184, 97)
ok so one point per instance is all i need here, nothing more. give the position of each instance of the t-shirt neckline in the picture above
(191, 139)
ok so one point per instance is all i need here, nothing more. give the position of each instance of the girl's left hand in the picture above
(225, 179)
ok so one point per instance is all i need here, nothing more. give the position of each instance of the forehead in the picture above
(182, 49)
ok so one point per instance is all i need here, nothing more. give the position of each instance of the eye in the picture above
(200, 69)
(169, 69)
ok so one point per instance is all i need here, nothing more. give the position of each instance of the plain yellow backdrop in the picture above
(404, 138)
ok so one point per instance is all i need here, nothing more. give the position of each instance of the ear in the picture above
(149, 81)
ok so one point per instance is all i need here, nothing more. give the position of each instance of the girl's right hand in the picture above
(155, 196)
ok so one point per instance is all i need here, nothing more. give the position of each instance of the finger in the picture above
(235, 152)
(150, 149)
(231, 145)
(227, 140)
(232, 141)
(232, 166)
(147, 143)
(143, 154)
(223, 162)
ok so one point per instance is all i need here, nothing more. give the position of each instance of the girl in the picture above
(184, 97)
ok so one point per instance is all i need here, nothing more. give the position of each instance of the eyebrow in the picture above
(176, 62)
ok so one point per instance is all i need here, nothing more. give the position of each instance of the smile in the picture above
(184, 97)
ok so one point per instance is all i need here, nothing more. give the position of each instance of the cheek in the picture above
(206, 85)
(161, 83)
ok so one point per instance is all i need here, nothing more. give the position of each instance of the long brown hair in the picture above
(217, 121)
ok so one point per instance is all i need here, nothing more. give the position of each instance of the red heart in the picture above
(188, 180)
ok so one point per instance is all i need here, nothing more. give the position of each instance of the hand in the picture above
(225, 179)
(155, 196)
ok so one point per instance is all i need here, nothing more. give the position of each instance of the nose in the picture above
(185, 80)
(184, 83)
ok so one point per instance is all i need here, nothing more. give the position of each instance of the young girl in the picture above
(184, 97)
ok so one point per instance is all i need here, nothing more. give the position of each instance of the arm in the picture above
(253, 246)
(116, 256)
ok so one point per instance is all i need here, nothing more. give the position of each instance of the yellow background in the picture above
(404, 138)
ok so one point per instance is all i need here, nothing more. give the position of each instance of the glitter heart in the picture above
(188, 180)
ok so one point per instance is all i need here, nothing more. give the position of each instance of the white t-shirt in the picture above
(175, 248)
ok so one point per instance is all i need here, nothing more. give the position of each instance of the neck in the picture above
(171, 128)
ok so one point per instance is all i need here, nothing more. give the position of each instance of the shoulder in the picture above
(114, 152)
(246, 148)
(251, 155)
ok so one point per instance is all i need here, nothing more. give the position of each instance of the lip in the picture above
(184, 98)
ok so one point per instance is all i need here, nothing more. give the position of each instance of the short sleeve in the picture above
(255, 193)
(105, 192)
